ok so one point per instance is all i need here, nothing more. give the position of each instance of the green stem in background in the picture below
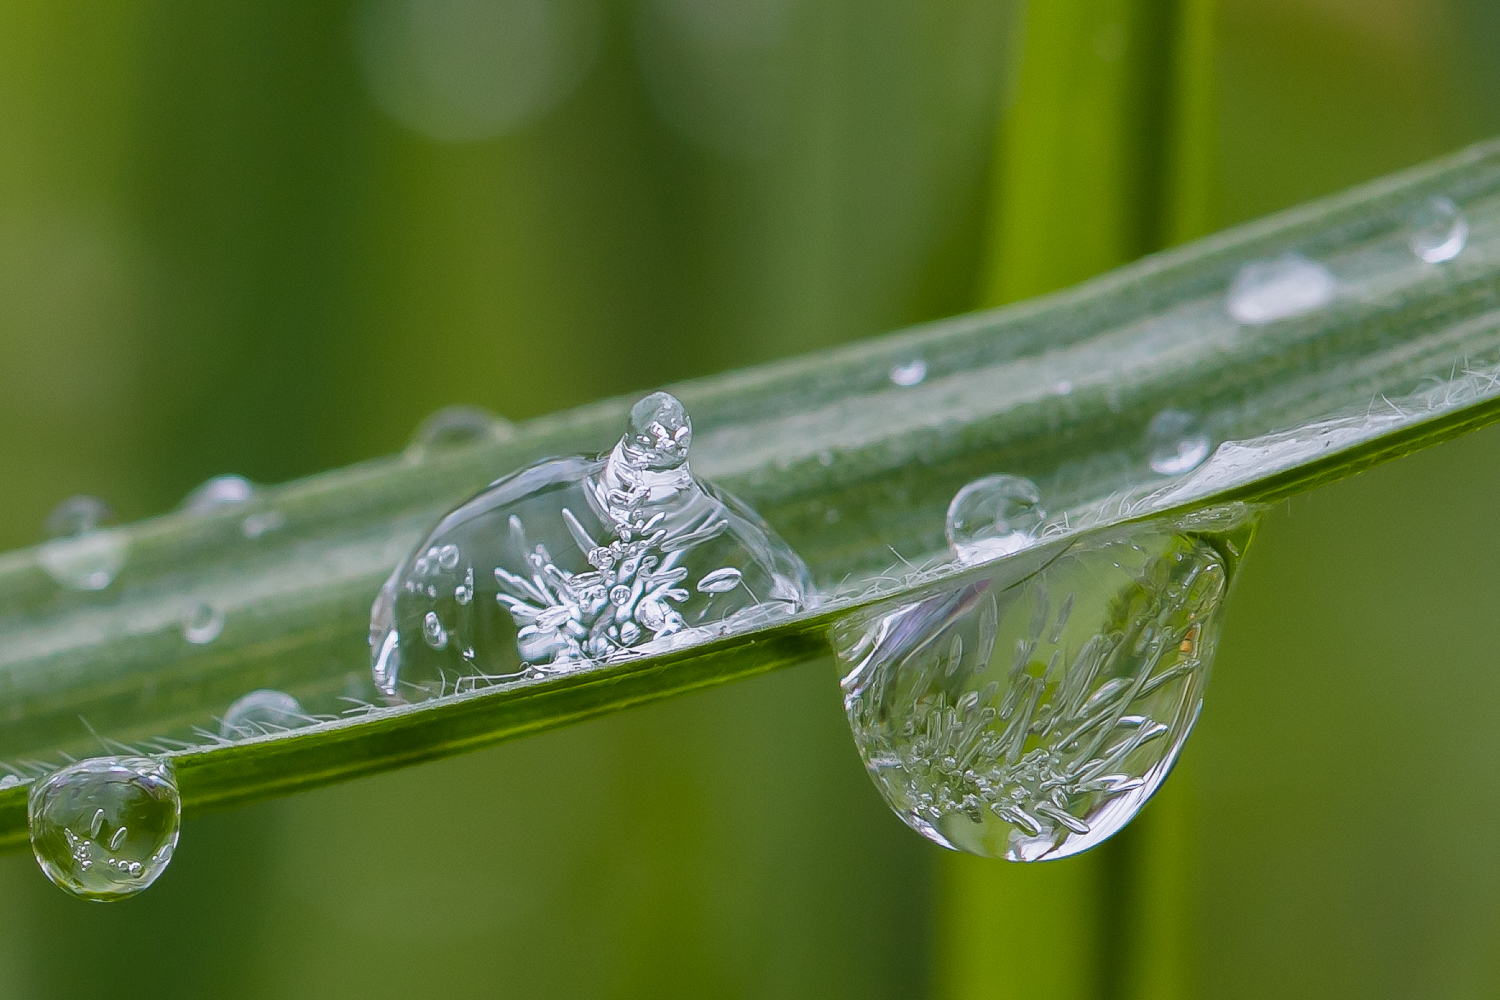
(843, 461)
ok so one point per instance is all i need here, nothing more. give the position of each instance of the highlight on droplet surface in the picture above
(82, 554)
(909, 374)
(455, 427)
(219, 492)
(202, 623)
(580, 560)
(261, 713)
(994, 516)
(1439, 230)
(1268, 290)
(105, 828)
(1030, 713)
(1176, 442)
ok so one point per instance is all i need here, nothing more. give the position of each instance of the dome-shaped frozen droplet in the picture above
(910, 373)
(219, 492)
(578, 560)
(1029, 715)
(202, 623)
(1176, 442)
(82, 554)
(105, 828)
(261, 712)
(1268, 290)
(994, 516)
(455, 427)
(1438, 231)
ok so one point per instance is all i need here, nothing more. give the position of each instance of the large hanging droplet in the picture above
(105, 828)
(579, 560)
(83, 554)
(1028, 714)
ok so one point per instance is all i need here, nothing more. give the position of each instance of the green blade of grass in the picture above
(845, 464)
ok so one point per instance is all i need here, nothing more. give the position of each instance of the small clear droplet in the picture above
(255, 525)
(720, 581)
(82, 554)
(261, 712)
(8, 781)
(1176, 442)
(1268, 290)
(202, 624)
(219, 492)
(1438, 231)
(105, 828)
(994, 516)
(456, 427)
(909, 374)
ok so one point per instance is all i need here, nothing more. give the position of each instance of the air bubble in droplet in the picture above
(720, 581)
(1176, 443)
(82, 554)
(105, 828)
(202, 624)
(447, 556)
(219, 492)
(1268, 290)
(1438, 231)
(909, 374)
(433, 631)
(455, 427)
(994, 516)
(261, 712)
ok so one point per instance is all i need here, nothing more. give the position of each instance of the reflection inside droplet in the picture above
(1268, 290)
(994, 516)
(1438, 231)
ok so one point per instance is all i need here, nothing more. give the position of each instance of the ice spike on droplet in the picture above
(1029, 710)
(105, 828)
(573, 561)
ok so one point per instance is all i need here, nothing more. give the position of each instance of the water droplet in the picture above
(219, 492)
(455, 427)
(8, 781)
(260, 713)
(1438, 231)
(994, 516)
(909, 374)
(82, 554)
(255, 525)
(1062, 388)
(578, 560)
(1268, 290)
(998, 720)
(1177, 444)
(202, 624)
(105, 828)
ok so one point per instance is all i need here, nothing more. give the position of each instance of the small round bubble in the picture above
(105, 828)
(994, 516)
(433, 631)
(1176, 442)
(262, 712)
(202, 624)
(1439, 231)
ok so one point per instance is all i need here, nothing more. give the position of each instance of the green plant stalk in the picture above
(846, 465)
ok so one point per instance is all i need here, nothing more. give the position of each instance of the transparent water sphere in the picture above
(1176, 442)
(579, 560)
(1029, 714)
(1268, 290)
(202, 624)
(455, 427)
(105, 828)
(994, 516)
(219, 492)
(1439, 231)
(260, 713)
(82, 554)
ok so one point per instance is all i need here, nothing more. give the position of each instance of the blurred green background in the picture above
(268, 238)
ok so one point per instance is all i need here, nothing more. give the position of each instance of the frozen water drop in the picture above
(720, 581)
(994, 516)
(1438, 231)
(997, 720)
(261, 712)
(105, 828)
(455, 427)
(219, 492)
(82, 554)
(1268, 290)
(659, 434)
(1176, 442)
(909, 374)
(202, 624)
